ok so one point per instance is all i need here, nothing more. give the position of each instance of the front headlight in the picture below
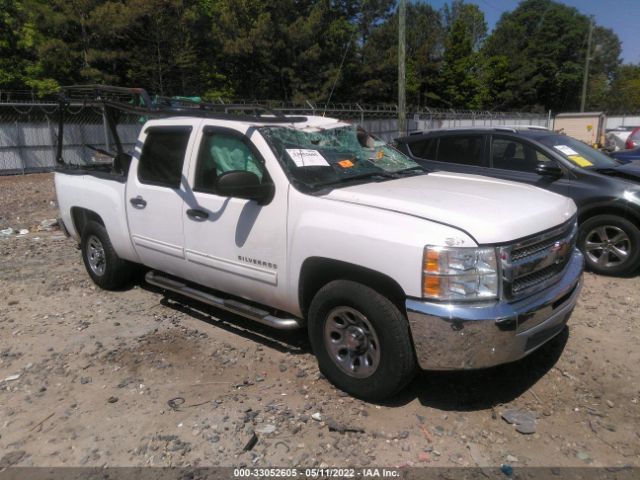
(453, 273)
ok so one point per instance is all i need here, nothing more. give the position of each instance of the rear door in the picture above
(464, 153)
(516, 159)
(155, 193)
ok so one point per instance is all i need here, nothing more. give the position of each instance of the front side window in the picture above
(314, 158)
(511, 154)
(464, 150)
(222, 152)
(163, 156)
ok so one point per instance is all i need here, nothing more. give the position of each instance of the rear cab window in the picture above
(163, 156)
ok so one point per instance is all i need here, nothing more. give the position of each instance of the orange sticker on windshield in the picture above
(345, 163)
(379, 154)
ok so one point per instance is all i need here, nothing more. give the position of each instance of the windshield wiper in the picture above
(362, 176)
(605, 170)
(417, 168)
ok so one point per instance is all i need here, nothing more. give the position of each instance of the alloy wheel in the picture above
(607, 246)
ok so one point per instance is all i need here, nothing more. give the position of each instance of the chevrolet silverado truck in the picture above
(309, 222)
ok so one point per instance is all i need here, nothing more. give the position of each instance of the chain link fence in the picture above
(29, 133)
(28, 130)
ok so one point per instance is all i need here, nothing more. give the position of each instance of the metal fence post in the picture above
(54, 141)
(106, 131)
(19, 147)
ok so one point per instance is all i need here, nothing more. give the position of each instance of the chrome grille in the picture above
(535, 263)
(536, 278)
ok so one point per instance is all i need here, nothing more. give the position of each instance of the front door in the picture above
(516, 160)
(234, 245)
(155, 192)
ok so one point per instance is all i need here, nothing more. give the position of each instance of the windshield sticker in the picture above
(345, 163)
(307, 158)
(380, 154)
(568, 151)
(580, 161)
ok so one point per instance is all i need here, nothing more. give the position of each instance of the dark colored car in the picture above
(626, 156)
(606, 192)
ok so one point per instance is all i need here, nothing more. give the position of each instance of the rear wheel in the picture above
(103, 265)
(361, 340)
(611, 244)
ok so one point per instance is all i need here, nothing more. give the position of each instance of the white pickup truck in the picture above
(308, 222)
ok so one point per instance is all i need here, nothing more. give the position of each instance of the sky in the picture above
(622, 16)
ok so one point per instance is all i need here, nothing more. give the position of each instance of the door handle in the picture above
(197, 214)
(138, 202)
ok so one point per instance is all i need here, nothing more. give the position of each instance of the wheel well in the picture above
(82, 216)
(607, 210)
(316, 272)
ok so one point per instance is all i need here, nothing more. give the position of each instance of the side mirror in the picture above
(242, 184)
(548, 169)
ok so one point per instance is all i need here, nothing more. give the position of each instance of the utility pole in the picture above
(402, 100)
(585, 78)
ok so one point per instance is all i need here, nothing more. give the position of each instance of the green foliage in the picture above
(471, 18)
(379, 74)
(625, 90)
(460, 71)
(316, 50)
(545, 45)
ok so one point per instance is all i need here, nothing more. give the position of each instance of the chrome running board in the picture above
(230, 305)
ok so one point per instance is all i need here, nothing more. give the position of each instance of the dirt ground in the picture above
(131, 378)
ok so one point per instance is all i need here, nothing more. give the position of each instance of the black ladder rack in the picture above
(138, 101)
(115, 101)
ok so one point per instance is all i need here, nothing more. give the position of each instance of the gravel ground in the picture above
(97, 378)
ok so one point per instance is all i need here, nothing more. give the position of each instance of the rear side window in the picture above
(465, 150)
(163, 155)
(426, 148)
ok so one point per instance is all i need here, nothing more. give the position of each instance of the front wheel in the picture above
(361, 340)
(611, 244)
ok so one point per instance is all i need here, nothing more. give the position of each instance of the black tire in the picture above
(602, 239)
(396, 363)
(106, 269)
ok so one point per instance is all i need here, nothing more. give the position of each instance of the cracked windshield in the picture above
(315, 158)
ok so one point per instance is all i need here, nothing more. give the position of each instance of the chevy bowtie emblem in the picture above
(559, 248)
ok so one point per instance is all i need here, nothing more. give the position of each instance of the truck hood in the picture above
(488, 209)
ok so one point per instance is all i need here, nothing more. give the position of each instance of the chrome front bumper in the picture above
(468, 336)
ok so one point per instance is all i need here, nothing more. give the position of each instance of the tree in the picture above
(471, 17)
(624, 96)
(158, 44)
(288, 49)
(545, 45)
(63, 40)
(16, 44)
(462, 64)
(424, 52)
(323, 64)
(605, 60)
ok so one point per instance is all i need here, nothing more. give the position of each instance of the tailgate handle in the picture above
(196, 214)
(138, 202)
